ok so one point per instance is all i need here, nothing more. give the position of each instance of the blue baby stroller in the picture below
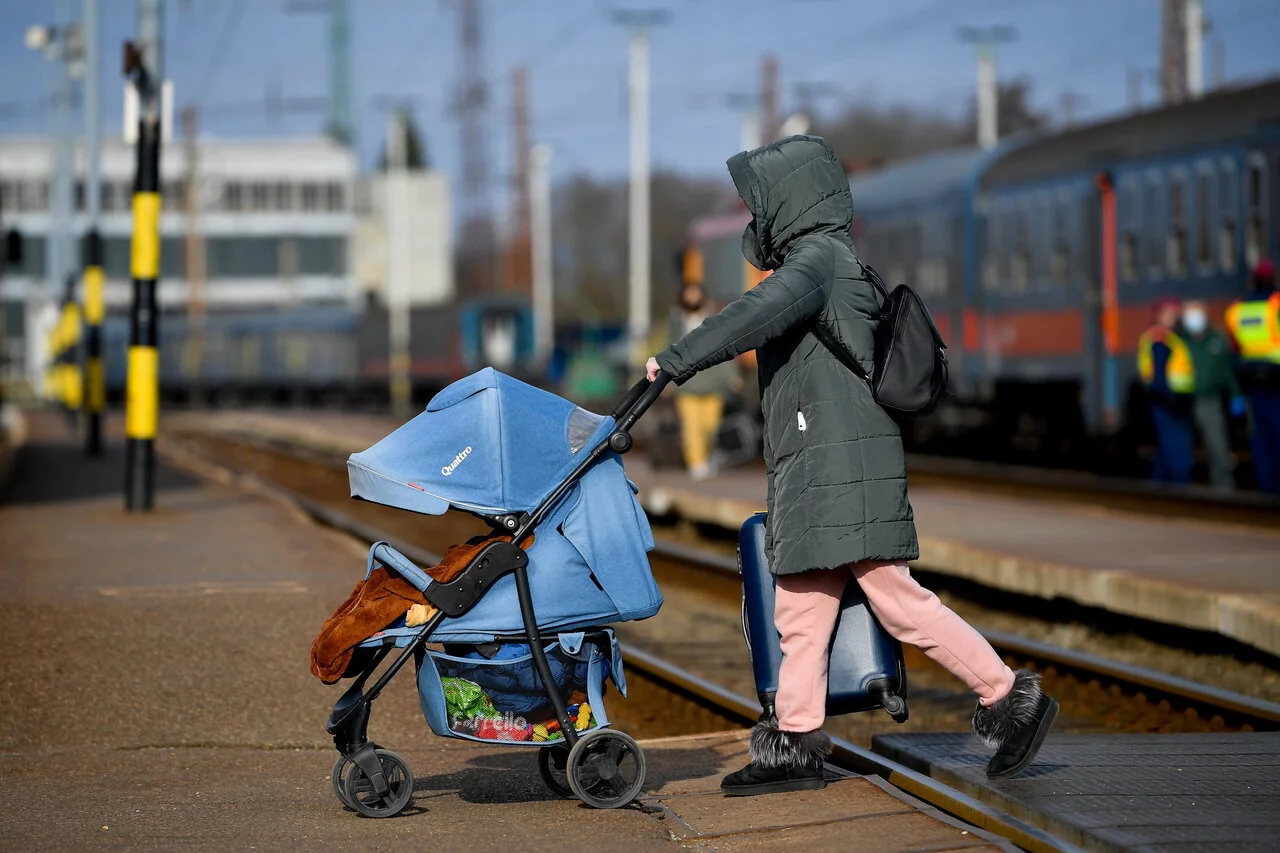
(525, 652)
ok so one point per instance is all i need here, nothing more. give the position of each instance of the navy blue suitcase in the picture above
(866, 670)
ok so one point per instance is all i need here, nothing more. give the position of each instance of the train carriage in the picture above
(1042, 257)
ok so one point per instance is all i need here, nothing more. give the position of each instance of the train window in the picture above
(1176, 244)
(1060, 259)
(1255, 200)
(931, 276)
(1204, 215)
(1130, 226)
(1041, 228)
(1153, 222)
(1020, 257)
(1228, 216)
(991, 262)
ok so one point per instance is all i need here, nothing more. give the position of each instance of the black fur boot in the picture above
(780, 761)
(1016, 726)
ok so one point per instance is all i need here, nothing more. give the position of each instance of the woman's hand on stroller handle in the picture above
(651, 369)
(638, 400)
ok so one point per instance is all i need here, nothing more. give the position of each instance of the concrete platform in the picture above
(1176, 793)
(157, 696)
(1202, 575)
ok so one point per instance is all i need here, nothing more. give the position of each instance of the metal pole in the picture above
(1193, 25)
(94, 307)
(543, 281)
(638, 307)
(988, 130)
(150, 32)
(195, 260)
(399, 235)
(986, 39)
(142, 387)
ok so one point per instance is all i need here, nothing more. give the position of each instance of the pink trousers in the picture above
(805, 611)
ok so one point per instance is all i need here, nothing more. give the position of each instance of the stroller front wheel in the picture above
(361, 796)
(552, 763)
(606, 769)
(338, 776)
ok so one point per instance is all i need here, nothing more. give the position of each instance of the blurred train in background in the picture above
(1040, 259)
(324, 355)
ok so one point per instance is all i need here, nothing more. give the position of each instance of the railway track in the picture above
(705, 667)
(1191, 501)
(703, 633)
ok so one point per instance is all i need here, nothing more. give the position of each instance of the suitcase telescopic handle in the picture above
(636, 402)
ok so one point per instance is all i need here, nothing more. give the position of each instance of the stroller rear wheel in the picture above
(359, 789)
(606, 769)
(552, 762)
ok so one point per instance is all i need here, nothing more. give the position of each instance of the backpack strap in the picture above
(838, 350)
(871, 276)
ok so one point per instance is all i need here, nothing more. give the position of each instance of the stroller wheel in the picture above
(551, 766)
(339, 778)
(606, 769)
(361, 796)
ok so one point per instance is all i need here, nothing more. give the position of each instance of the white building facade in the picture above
(276, 218)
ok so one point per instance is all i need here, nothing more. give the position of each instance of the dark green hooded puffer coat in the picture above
(837, 490)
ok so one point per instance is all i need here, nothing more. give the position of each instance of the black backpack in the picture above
(910, 358)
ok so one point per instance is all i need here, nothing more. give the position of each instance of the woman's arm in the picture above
(788, 297)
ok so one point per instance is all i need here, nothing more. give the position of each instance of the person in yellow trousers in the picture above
(700, 401)
(1254, 324)
(1165, 367)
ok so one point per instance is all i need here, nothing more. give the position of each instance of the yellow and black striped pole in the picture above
(142, 384)
(95, 383)
(72, 388)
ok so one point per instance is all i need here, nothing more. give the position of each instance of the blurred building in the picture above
(423, 206)
(275, 216)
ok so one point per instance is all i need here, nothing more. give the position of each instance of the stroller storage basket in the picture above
(501, 698)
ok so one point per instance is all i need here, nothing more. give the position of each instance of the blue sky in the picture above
(229, 53)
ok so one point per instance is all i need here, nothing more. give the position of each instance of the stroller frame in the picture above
(348, 722)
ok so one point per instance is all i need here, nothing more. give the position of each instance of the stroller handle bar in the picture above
(637, 401)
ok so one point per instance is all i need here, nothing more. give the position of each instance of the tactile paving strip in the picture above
(1176, 792)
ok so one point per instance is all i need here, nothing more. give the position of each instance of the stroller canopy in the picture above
(492, 444)
(487, 443)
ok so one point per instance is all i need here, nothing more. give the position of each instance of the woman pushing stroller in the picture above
(837, 489)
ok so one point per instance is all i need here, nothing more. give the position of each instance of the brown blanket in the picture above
(378, 601)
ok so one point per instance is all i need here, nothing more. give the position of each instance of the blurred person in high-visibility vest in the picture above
(1167, 372)
(1254, 324)
(700, 401)
(1214, 366)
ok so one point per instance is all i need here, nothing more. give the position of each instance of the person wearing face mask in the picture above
(1214, 369)
(700, 401)
(1164, 365)
(1254, 323)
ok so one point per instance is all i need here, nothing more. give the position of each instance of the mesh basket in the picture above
(502, 699)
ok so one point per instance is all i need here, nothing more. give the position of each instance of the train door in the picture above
(1261, 195)
(1097, 251)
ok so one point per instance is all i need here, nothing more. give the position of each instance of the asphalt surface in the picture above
(157, 696)
(156, 691)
